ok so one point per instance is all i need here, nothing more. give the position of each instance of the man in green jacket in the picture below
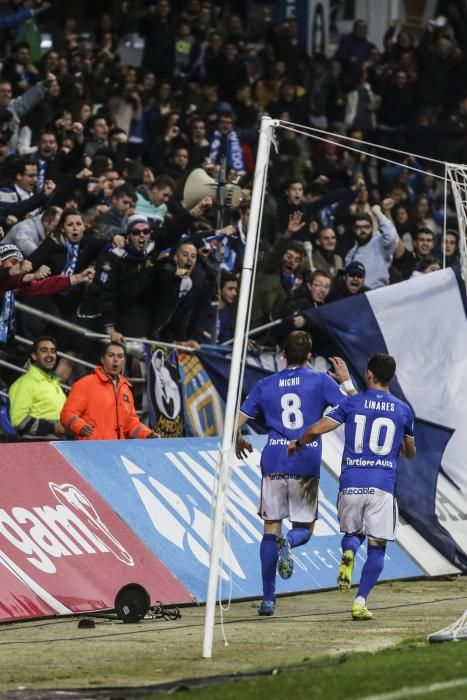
(36, 398)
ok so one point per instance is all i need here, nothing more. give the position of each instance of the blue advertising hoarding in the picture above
(163, 491)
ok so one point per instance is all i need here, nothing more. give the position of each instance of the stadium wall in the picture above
(78, 521)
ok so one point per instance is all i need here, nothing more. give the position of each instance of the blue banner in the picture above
(203, 410)
(163, 490)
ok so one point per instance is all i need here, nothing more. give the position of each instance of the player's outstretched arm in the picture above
(324, 425)
(341, 374)
(242, 447)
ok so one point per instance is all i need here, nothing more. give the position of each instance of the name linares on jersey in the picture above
(379, 405)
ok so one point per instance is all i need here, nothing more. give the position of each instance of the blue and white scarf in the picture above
(233, 150)
(72, 251)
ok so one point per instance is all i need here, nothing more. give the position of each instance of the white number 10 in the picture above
(375, 434)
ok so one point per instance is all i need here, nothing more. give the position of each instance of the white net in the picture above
(457, 175)
(452, 633)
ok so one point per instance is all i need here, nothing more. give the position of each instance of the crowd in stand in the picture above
(95, 153)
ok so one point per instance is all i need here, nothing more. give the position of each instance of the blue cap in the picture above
(355, 267)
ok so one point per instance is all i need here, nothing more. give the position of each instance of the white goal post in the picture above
(226, 454)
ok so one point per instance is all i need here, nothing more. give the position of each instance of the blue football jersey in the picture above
(290, 401)
(375, 425)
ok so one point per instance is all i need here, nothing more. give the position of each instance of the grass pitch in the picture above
(339, 658)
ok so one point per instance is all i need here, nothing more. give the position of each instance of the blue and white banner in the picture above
(163, 490)
(422, 323)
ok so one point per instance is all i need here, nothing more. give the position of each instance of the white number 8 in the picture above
(292, 417)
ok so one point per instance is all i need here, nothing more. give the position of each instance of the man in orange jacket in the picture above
(100, 406)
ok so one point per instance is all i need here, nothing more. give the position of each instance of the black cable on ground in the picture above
(250, 620)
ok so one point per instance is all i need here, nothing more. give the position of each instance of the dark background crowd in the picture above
(98, 136)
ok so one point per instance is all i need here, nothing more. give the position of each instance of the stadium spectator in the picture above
(53, 163)
(225, 143)
(177, 165)
(312, 294)
(325, 256)
(406, 261)
(66, 251)
(353, 50)
(97, 135)
(198, 144)
(289, 104)
(151, 200)
(28, 234)
(18, 277)
(115, 219)
(10, 18)
(292, 200)
(449, 248)
(275, 281)
(234, 246)
(228, 291)
(374, 249)
(428, 264)
(227, 71)
(350, 281)
(36, 398)
(362, 105)
(100, 405)
(180, 288)
(120, 297)
(19, 106)
(20, 197)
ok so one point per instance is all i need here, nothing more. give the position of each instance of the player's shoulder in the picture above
(401, 405)
(313, 375)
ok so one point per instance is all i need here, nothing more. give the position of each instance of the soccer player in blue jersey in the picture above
(287, 401)
(377, 427)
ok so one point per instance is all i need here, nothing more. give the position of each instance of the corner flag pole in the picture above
(226, 454)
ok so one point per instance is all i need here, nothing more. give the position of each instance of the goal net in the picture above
(457, 175)
(452, 633)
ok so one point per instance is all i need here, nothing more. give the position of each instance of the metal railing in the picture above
(23, 370)
(75, 328)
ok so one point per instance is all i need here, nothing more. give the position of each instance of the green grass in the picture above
(357, 676)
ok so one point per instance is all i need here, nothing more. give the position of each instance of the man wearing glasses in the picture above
(375, 249)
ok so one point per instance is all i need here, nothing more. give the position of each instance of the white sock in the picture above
(360, 600)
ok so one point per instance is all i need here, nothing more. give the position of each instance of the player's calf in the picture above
(285, 560)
